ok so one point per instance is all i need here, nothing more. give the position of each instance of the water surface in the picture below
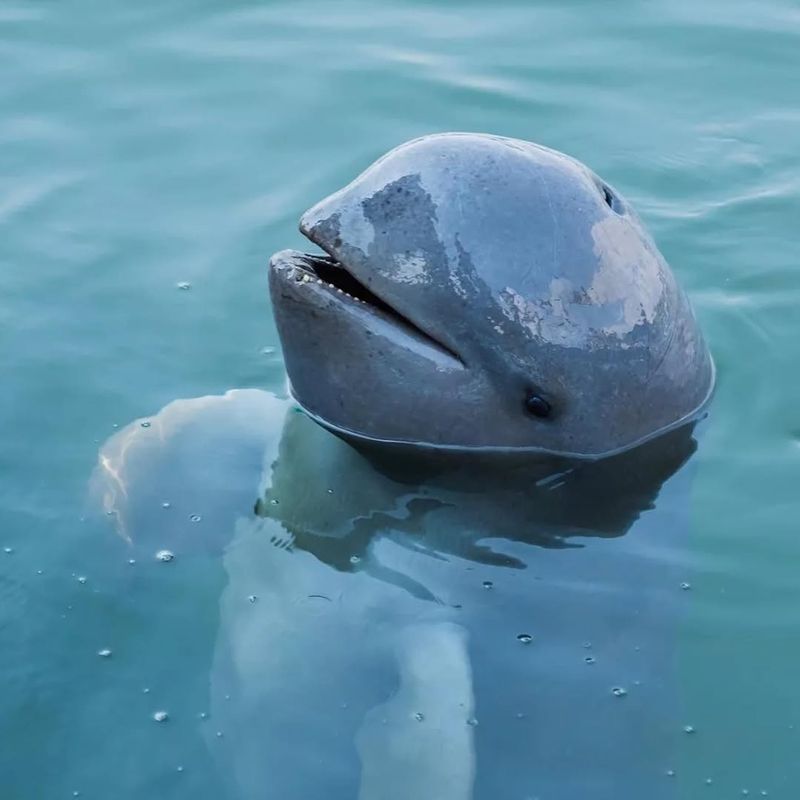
(147, 145)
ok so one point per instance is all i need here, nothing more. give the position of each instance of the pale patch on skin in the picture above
(628, 281)
(455, 282)
(410, 268)
(360, 231)
(629, 275)
(546, 320)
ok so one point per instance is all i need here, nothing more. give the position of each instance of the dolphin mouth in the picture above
(325, 274)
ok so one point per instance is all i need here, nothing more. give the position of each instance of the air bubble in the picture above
(184, 285)
(160, 716)
(195, 518)
(686, 586)
(104, 653)
(252, 598)
(589, 659)
(165, 555)
(145, 424)
(355, 559)
(131, 561)
(419, 716)
(165, 505)
(219, 734)
(472, 722)
(81, 579)
(618, 691)
(688, 729)
(524, 638)
(8, 550)
(488, 585)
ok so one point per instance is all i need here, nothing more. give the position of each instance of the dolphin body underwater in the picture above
(439, 601)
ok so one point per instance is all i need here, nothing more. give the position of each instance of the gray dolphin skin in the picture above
(480, 292)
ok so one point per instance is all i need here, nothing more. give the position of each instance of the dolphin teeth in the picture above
(306, 278)
(319, 281)
(331, 286)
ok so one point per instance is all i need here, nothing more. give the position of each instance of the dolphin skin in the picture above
(485, 293)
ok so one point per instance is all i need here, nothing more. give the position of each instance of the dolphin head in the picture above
(479, 292)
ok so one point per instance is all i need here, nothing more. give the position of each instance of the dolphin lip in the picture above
(326, 273)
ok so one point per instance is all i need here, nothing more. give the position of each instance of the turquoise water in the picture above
(341, 640)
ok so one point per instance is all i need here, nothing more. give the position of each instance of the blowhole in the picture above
(611, 200)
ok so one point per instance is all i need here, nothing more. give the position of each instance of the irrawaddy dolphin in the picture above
(450, 608)
(479, 292)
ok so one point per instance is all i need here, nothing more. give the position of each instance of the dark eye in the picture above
(537, 405)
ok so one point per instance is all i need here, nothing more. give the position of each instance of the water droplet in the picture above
(39, 572)
(525, 638)
(488, 585)
(184, 285)
(160, 716)
(686, 586)
(145, 424)
(419, 716)
(165, 505)
(81, 579)
(179, 768)
(745, 792)
(76, 793)
(104, 653)
(165, 555)
(252, 598)
(146, 690)
(709, 781)
(670, 773)
(589, 659)
(355, 559)
(688, 729)
(8, 550)
(764, 792)
(115, 425)
(203, 715)
(618, 691)
(227, 697)
(472, 722)
(131, 561)
(195, 518)
(219, 734)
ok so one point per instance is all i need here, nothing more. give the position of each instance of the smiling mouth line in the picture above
(333, 276)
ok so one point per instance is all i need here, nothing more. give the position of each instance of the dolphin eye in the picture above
(536, 404)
